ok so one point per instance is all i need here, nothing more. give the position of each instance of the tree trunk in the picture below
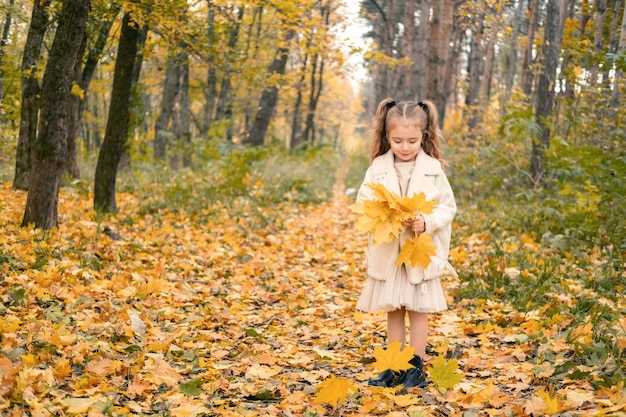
(439, 53)
(162, 128)
(3, 44)
(474, 71)
(423, 39)
(269, 97)
(597, 38)
(71, 165)
(407, 43)
(117, 121)
(511, 57)
(223, 102)
(545, 92)
(296, 128)
(210, 93)
(29, 110)
(487, 73)
(527, 73)
(616, 93)
(316, 84)
(183, 133)
(50, 148)
(83, 76)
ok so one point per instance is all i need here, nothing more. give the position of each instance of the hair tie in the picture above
(423, 106)
(391, 104)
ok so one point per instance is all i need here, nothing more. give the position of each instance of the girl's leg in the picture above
(396, 326)
(396, 332)
(419, 332)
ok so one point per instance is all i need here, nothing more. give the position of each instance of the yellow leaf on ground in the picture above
(406, 400)
(334, 390)
(263, 371)
(553, 405)
(394, 357)
(444, 373)
(79, 405)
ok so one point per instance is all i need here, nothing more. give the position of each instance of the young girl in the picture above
(406, 159)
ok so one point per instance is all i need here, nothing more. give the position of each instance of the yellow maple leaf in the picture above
(384, 216)
(444, 373)
(416, 203)
(384, 194)
(334, 390)
(417, 251)
(394, 357)
(553, 405)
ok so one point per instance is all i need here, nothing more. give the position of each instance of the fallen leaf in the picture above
(444, 374)
(334, 390)
(394, 357)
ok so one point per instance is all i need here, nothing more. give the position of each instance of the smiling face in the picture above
(405, 140)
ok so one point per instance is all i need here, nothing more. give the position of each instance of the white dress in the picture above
(396, 291)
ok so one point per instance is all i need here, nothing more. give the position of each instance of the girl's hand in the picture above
(418, 225)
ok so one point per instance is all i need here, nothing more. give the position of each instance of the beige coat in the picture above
(427, 177)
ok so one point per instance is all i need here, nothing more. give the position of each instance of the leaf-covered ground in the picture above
(163, 314)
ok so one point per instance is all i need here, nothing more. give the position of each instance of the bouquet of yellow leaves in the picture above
(384, 217)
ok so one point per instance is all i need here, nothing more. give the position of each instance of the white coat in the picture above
(427, 177)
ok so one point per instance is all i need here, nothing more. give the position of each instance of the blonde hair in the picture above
(423, 113)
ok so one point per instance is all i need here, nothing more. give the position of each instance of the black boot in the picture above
(383, 380)
(413, 377)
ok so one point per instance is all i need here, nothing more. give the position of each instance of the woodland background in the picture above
(175, 231)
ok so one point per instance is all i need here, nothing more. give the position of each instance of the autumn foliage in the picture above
(384, 218)
(162, 311)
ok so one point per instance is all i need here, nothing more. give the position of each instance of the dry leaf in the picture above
(394, 357)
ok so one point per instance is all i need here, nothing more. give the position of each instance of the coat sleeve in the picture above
(365, 192)
(445, 210)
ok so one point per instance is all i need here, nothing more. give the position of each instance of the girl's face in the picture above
(406, 141)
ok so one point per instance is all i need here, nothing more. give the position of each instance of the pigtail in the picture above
(380, 142)
(431, 141)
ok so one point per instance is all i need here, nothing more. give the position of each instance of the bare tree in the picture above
(29, 110)
(114, 142)
(269, 97)
(545, 92)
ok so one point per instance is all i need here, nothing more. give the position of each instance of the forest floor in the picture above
(163, 314)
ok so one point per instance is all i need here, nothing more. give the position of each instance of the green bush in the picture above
(237, 177)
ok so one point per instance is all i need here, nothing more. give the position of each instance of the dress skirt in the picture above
(397, 292)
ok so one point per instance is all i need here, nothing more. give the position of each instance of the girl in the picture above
(406, 159)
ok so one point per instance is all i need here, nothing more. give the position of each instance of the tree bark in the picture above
(269, 97)
(439, 53)
(71, 165)
(162, 128)
(3, 43)
(545, 92)
(50, 148)
(83, 76)
(117, 122)
(182, 130)
(597, 38)
(296, 128)
(317, 78)
(210, 93)
(474, 71)
(29, 110)
(527, 73)
(616, 94)
(423, 39)
(511, 57)
(224, 96)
